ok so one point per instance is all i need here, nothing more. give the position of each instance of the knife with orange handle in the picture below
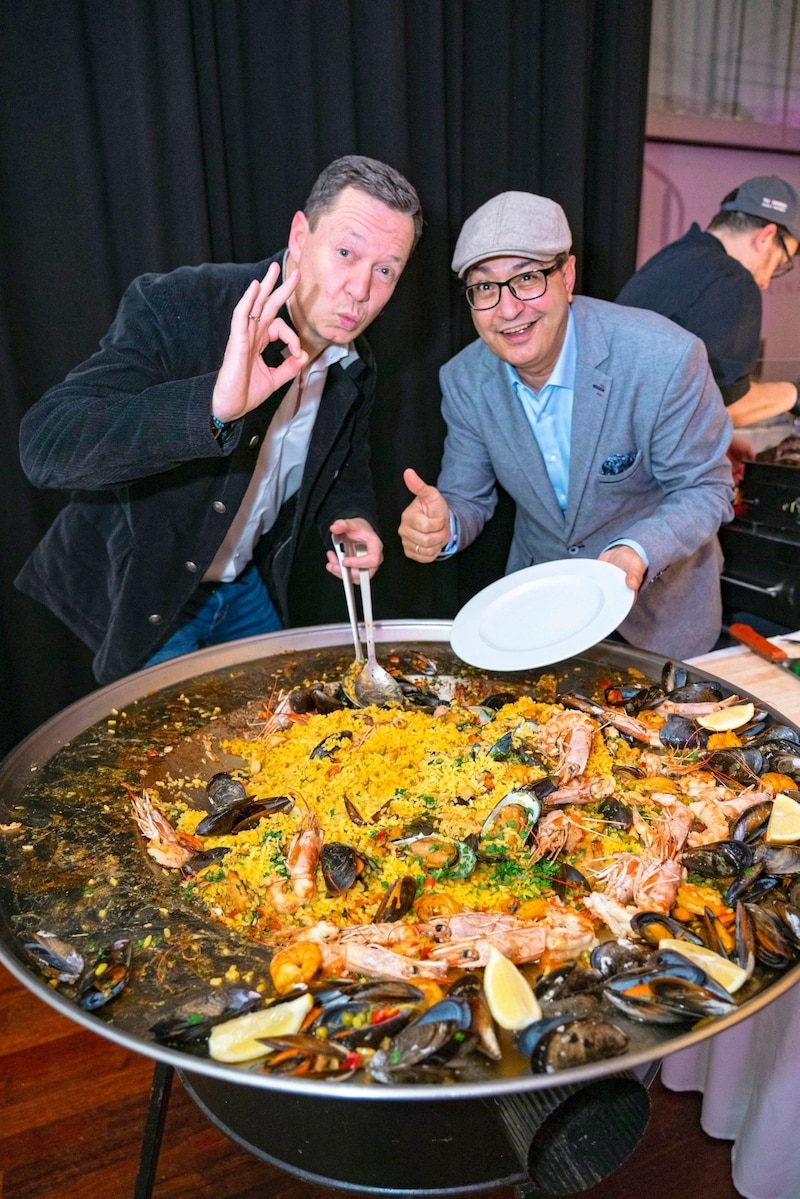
(746, 635)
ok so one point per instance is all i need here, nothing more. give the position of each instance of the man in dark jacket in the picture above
(711, 282)
(226, 411)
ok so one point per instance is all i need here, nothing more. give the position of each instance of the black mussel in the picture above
(104, 981)
(616, 813)
(452, 1007)
(752, 884)
(634, 772)
(204, 859)
(341, 866)
(718, 937)
(673, 676)
(353, 812)
(648, 697)
(669, 994)
(794, 893)
(57, 959)
(719, 859)
(501, 748)
(331, 745)
(614, 957)
(244, 813)
(568, 882)
(672, 961)
(413, 1046)
(576, 1043)
(789, 916)
(654, 926)
(778, 859)
(361, 1022)
(308, 1056)
(749, 825)
(530, 1036)
(224, 790)
(772, 946)
(745, 940)
(498, 700)
(191, 1023)
(470, 988)
(301, 701)
(618, 696)
(677, 732)
(778, 737)
(781, 762)
(383, 992)
(325, 702)
(740, 765)
(566, 980)
(697, 693)
(411, 662)
(397, 900)
(418, 697)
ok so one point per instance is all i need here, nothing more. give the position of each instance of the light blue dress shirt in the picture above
(549, 414)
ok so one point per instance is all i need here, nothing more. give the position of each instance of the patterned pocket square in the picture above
(615, 464)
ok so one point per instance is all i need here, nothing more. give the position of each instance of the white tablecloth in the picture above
(750, 1079)
(750, 1075)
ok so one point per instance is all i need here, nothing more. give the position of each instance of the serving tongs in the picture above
(365, 682)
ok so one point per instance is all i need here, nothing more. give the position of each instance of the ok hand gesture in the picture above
(244, 380)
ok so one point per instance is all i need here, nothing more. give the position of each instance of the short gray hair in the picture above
(368, 175)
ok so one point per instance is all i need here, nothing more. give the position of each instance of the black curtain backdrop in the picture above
(140, 135)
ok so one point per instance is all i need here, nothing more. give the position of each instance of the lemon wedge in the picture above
(508, 993)
(726, 973)
(727, 719)
(783, 827)
(236, 1040)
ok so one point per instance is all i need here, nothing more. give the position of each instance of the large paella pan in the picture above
(115, 937)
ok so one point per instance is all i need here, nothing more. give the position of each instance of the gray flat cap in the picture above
(513, 223)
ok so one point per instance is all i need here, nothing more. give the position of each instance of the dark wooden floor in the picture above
(73, 1104)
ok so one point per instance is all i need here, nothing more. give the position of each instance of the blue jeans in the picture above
(220, 612)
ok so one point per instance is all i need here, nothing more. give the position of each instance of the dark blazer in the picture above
(155, 492)
(647, 462)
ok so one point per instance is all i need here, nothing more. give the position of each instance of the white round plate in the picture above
(542, 614)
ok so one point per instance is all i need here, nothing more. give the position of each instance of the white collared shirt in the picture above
(279, 469)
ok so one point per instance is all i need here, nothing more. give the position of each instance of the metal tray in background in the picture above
(77, 868)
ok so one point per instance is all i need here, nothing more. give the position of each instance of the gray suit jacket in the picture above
(643, 389)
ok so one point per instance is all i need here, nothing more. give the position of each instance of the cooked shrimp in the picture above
(568, 735)
(165, 845)
(656, 884)
(612, 913)
(295, 965)
(556, 832)
(517, 944)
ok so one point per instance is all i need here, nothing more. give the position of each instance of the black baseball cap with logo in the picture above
(769, 197)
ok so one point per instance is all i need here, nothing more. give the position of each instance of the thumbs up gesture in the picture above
(425, 524)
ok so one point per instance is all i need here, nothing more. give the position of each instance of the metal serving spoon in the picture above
(366, 681)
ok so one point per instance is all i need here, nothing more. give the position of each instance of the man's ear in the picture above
(298, 231)
(763, 237)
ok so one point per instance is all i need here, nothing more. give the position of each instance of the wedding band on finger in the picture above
(251, 317)
(416, 548)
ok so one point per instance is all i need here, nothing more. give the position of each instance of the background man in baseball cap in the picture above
(711, 282)
(603, 423)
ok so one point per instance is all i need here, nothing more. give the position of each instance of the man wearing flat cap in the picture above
(603, 424)
(711, 283)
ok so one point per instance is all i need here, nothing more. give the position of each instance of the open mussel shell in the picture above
(408, 1052)
(752, 822)
(104, 981)
(397, 900)
(517, 812)
(654, 926)
(569, 1043)
(470, 988)
(57, 959)
(204, 859)
(678, 732)
(569, 883)
(739, 765)
(567, 980)
(242, 814)
(364, 1022)
(191, 1023)
(773, 947)
(719, 859)
(671, 992)
(778, 859)
(332, 745)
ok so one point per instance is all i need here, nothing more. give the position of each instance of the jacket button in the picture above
(573, 549)
(191, 566)
(218, 506)
(155, 618)
(253, 442)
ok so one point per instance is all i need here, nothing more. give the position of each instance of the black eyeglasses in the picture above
(529, 285)
(784, 267)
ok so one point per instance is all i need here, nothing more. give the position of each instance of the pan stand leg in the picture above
(153, 1130)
